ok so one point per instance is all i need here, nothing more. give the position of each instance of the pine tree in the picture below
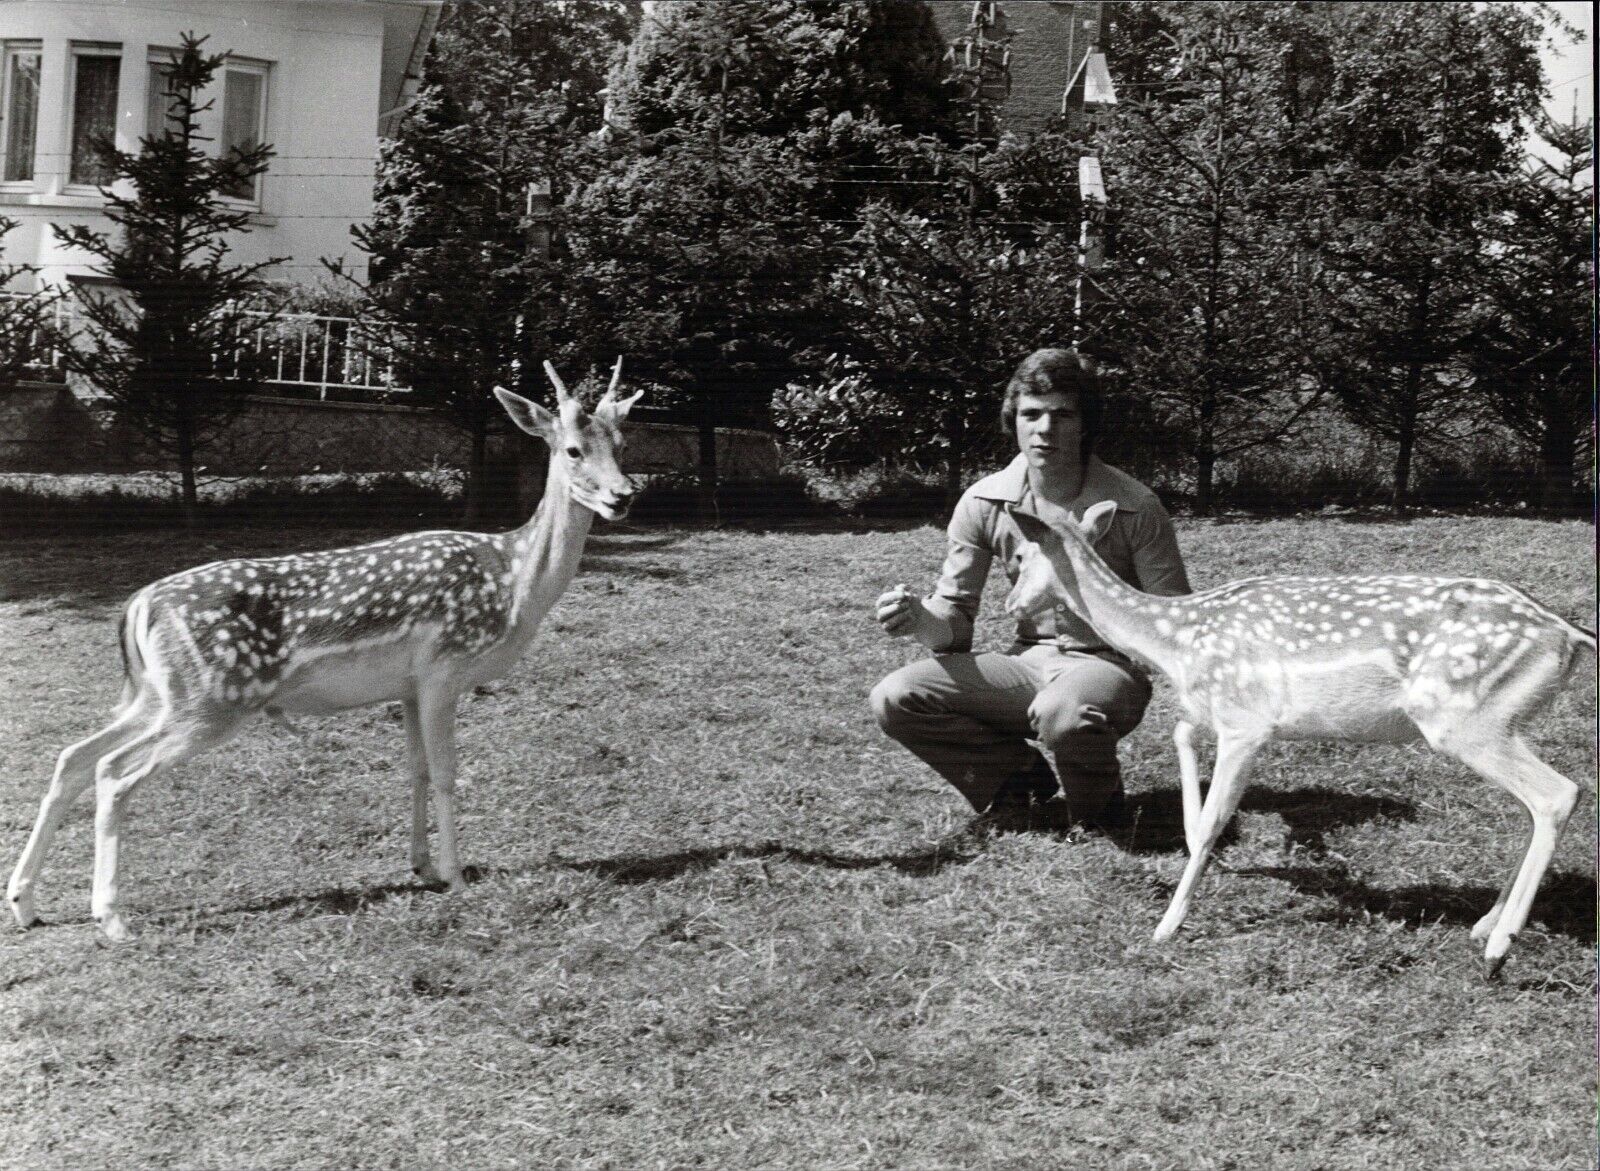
(163, 339)
(511, 97)
(1423, 131)
(1532, 353)
(1204, 306)
(739, 130)
(965, 264)
(26, 320)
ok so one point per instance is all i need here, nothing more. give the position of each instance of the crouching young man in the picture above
(971, 716)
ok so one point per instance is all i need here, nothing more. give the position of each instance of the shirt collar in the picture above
(1010, 484)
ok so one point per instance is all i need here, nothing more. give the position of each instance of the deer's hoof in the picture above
(1493, 963)
(116, 929)
(22, 909)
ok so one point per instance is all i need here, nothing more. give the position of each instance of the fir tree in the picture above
(163, 339)
(512, 96)
(741, 129)
(1205, 306)
(1532, 353)
(947, 282)
(1422, 132)
(26, 320)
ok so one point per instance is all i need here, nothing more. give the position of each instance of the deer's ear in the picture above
(530, 416)
(1097, 520)
(1030, 526)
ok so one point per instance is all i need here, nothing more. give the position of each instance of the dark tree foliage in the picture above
(932, 306)
(1205, 303)
(465, 266)
(1413, 152)
(741, 132)
(164, 340)
(787, 59)
(25, 320)
(945, 284)
(1305, 189)
(1533, 356)
(932, 319)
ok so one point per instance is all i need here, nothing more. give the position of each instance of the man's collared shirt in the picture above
(1140, 547)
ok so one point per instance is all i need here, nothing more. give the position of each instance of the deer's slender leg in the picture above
(1234, 756)
(169, 740)
(74, 773)
(417, 766)
(1481, 929)
(437, 717)
(1549, 798)
(1189, 779)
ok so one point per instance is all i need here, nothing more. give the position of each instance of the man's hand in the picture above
(899, 612)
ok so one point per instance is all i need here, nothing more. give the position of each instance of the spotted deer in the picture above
(1460, 662)
(416, 619)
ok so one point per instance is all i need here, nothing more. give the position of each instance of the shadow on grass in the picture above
(609, 553)
(663, 867)
(1155, 819)
(339, 901)
(627, 870)
(1565, 904)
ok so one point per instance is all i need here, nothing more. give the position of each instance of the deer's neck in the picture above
(1142, 626)
(544, 553)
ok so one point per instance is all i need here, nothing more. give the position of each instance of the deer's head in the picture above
(1047, 577)
(584, 445)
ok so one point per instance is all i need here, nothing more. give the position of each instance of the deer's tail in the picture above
(135, 615)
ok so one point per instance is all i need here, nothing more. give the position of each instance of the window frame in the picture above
(158, 57)
(10, 50)
(76, 52)
(262, 70)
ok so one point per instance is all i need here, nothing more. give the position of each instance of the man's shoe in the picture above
(1017, 804)
(1001, 819)
(1112, 817)
(1033, 786)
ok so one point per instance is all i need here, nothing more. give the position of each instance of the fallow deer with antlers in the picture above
(416, 619)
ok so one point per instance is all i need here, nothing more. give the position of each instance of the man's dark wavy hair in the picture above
(1063, 372)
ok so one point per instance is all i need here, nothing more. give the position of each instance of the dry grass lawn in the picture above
(717, 920)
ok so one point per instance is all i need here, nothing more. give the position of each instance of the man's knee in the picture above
(888, 701)
(1078, 732)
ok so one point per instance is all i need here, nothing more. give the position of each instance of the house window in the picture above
(96, 70)
(158, 111)
(19, 110)
(244, 115)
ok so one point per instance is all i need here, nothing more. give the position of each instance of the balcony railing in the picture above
(339, 357)
(326, 353)
(42, 353)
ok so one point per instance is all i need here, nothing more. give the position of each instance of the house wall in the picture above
(323, 94)
(1048, 39)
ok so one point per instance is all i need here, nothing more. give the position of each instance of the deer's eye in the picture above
(574, 452)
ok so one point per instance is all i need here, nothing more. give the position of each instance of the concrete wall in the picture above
(47, 428)
(324, 62)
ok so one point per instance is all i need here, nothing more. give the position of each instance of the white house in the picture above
(319, 80)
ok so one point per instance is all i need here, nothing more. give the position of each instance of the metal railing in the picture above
(311, 351)
(43, 354)
(324, 352)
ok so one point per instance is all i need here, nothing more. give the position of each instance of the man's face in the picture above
(1049, 430)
